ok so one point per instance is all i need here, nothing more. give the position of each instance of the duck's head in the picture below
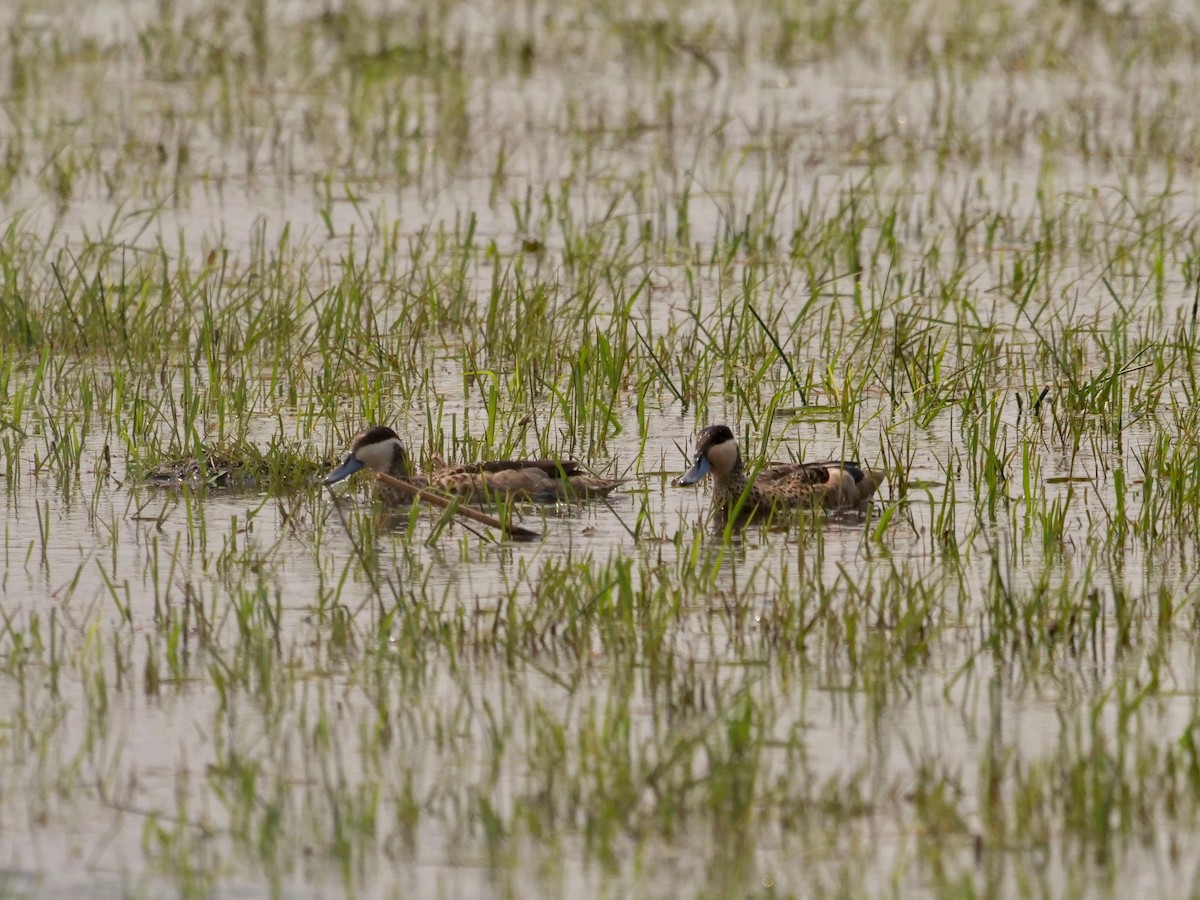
(378, 449)
(716, 452)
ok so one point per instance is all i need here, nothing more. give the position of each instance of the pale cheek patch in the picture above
(722, 457)
(844, 485)
(377, 457)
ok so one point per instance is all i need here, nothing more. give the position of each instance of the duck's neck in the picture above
(400, 467)
(728, 489)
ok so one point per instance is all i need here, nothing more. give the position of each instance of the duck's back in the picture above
(534, 479)
(833, 483)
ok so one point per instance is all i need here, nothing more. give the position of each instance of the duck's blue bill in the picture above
(695, 473)
(345, 470)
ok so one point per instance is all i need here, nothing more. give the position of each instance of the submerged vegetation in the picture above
(954, 240)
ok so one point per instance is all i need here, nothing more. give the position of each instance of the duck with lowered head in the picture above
(380, 449)
(833, 484)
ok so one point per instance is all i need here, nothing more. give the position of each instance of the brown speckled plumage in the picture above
(541, 480)
(532, 479)
(834, 484)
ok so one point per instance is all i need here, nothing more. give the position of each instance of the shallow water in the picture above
(204, 692)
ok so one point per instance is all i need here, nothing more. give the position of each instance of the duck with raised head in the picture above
(542, 480)
(834, 484)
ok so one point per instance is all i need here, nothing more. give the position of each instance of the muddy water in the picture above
(156, 746)
(86, 807)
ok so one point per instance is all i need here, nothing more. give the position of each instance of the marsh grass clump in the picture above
(276, 468)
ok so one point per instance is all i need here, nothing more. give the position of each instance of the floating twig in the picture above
(508, 529)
